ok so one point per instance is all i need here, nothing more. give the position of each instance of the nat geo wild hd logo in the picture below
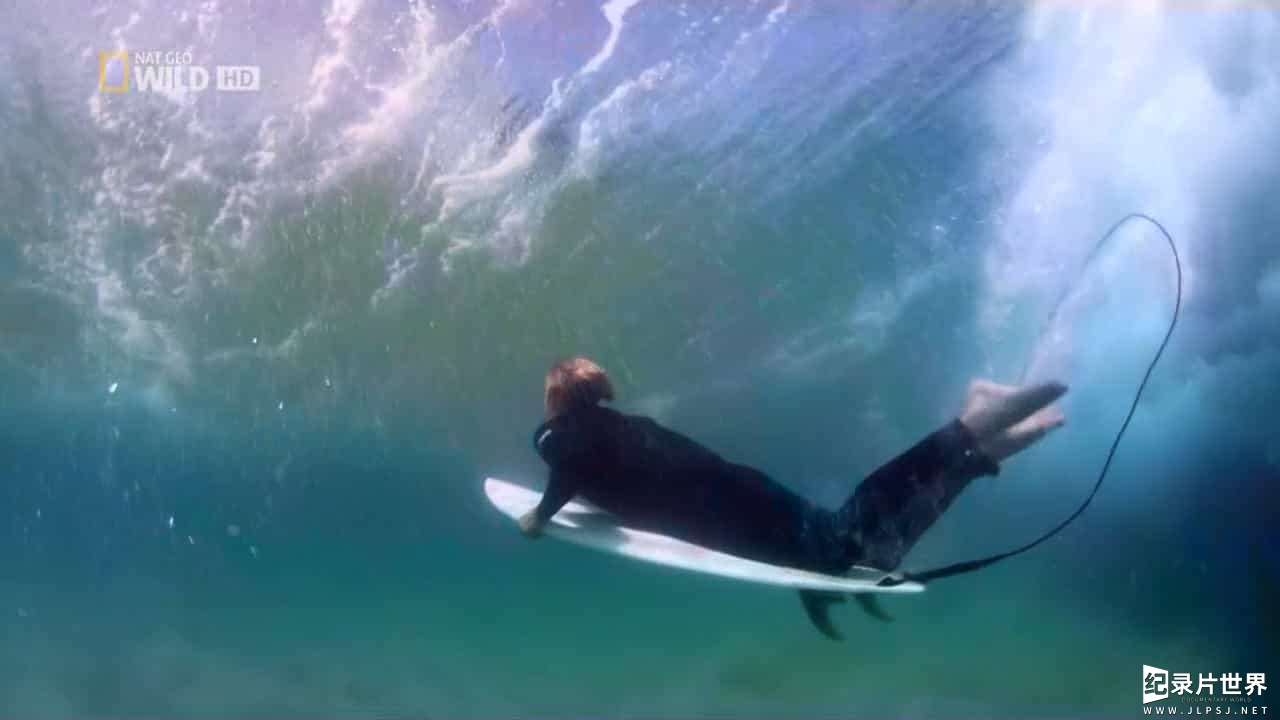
(173, 71)
(1227, 694)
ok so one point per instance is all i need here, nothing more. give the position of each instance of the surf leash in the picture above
(968, 566)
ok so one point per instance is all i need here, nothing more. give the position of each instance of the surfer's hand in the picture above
(530, 525)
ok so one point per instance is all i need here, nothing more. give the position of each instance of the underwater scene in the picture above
(281, 283)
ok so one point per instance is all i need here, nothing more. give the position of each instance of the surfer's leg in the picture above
(894, 506)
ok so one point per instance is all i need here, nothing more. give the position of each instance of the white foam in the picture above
(283, 350)
(427, 63)
(208, 19)
(1127, 115)
(517, 158)
(490, 194)
(338, 20)
(609, 118)
(860, 332)
(465, 186)
(400, 98)
(775, 15)
(614, 11)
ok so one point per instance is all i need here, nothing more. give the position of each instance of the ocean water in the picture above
(259, 349)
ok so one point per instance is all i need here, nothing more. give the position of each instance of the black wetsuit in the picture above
(656, 479)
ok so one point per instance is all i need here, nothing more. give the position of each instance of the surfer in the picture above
(653, 478)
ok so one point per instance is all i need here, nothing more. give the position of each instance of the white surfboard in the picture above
(584, 525)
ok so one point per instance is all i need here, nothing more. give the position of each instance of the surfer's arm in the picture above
(561, 487)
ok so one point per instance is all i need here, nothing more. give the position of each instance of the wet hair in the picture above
(575, 383)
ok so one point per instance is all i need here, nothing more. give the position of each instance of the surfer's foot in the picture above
(1023, 434)
(992, 409)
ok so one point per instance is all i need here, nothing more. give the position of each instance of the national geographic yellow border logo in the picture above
(123, 58)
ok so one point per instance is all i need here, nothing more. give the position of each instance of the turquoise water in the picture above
(260, 349)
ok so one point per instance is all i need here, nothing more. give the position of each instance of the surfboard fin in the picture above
(870, 604)
(817, 605)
